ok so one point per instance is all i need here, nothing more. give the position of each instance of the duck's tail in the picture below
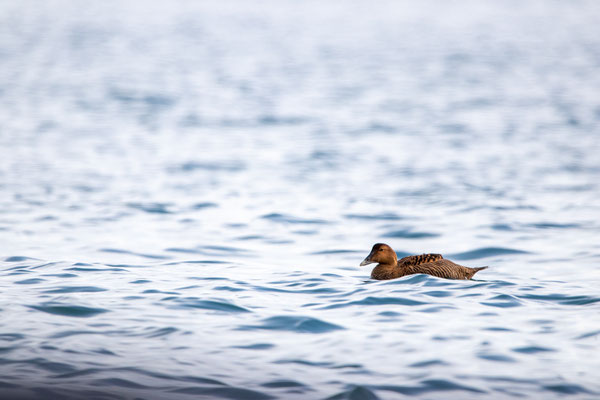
(474, 271)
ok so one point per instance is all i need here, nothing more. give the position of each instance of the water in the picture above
(187, 189)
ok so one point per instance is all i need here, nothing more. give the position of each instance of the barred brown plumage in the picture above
(389, 267)
(422, 259)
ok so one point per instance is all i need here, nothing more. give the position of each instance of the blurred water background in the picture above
(187, 189)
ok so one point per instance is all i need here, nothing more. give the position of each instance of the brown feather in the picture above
(418, 260)
(441, 268)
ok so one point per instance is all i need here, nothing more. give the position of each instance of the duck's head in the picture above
(381, 253)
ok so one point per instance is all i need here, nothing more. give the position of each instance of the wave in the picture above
(69, 310)
(485, 252)
(293, 323)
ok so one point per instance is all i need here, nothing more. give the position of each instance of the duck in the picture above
(389, 267)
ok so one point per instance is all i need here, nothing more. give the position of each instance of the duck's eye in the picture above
(380, 249)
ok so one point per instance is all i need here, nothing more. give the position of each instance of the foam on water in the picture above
(187, 189)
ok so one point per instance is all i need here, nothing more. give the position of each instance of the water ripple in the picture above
(68, 310)
(428, 363)
(215, 305)
(122, 251)
(257, 346)
(485, 252)
(76, 289)
(292, 323)
(119, 382)
(503, 301)
(532, 349)
(18, 259)
(374, 217)
(289, 219)
(283, 384)
(553, 225)
(190, 166)
(335, 251)
(355, 393)
(430, 385)
(568, 389)
(409, 234)
(375, 301)
(225, 393)
(563, 299)
(31, 281)
(153, 208)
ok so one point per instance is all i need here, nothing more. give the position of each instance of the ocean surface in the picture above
(187, 189)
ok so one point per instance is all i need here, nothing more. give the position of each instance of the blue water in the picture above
(187, 189)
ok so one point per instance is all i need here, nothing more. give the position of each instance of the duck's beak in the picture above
(366, 261)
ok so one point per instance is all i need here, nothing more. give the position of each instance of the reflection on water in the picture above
(186, 190)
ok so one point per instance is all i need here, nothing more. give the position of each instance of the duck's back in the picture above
(418, 260)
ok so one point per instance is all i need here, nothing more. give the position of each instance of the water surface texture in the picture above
(187, 189)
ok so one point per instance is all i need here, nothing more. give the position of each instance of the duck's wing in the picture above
(444, 269)
(418, 260)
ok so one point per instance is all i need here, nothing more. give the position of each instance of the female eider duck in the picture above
(389, 267)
